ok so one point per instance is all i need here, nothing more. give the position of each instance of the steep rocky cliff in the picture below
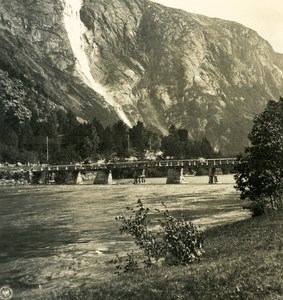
(137, 60)
(35, 48)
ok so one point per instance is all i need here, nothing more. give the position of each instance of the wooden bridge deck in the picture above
(195, 163)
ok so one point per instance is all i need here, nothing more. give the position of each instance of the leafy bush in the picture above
(172, 240)
(182, 240)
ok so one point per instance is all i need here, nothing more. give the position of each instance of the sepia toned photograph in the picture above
(141, 149)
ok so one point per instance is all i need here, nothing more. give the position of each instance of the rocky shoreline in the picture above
(14, 177)
(14, 182)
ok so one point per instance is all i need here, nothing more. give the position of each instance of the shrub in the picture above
(182, 240)
(175, 241)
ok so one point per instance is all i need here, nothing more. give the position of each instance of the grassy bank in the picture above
(243, 260)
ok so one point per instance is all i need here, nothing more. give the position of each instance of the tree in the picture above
(106, 143)
(153, 140)
(26, 137)
(86, 141)
(120, 138)
(138, 137)
(183, 141)
(171, 144)
(260, 172)
(206, 149)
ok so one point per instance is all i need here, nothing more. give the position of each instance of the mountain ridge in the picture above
(159, 65)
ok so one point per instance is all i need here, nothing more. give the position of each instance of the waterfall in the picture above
(75, 30)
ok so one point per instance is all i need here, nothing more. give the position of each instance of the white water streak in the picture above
(75, 30)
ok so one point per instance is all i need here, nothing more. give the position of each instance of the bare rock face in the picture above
(137, 60)
(35, 48)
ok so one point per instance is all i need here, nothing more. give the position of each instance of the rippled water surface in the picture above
(55, 237)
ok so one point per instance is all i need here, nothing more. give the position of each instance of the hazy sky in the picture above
(264, 16)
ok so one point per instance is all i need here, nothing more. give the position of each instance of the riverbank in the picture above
(243, 260)
(13, 176)
(14, 181)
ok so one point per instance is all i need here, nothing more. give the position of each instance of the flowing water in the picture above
(76, 30)
(58, 236)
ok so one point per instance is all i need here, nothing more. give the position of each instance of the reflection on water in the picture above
(55, 237)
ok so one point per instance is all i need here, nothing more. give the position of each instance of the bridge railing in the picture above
(138, 164)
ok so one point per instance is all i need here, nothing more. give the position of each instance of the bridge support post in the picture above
(79, 179)
(30, 176)
(103, 177)
(175, 176)
(44, 177)
(212, 173)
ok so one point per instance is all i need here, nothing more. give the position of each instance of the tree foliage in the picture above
(260, 172)
(178, 145)
(68, 140)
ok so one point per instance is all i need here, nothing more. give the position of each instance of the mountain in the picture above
(137, 60)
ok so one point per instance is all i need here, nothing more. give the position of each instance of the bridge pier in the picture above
(175, 176)
(79, 179)
(103, 177)
(212, 174)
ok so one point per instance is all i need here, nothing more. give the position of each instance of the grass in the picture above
(242, 260)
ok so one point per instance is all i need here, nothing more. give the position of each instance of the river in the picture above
(61, 236)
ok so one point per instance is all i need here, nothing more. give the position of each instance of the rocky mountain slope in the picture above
(137, 60)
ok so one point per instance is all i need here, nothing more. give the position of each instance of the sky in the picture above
(264, 16)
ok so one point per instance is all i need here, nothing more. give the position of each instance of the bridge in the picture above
(200, 162)
(103, 171)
